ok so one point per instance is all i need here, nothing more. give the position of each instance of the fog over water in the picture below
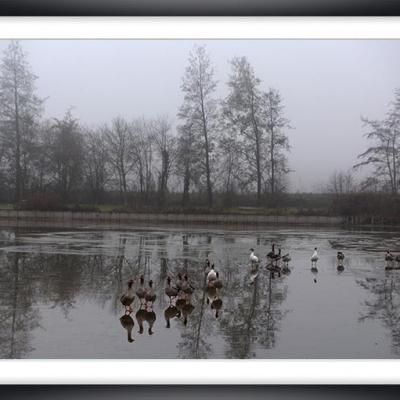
(327, 85)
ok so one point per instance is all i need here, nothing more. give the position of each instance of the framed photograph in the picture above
(199, 200)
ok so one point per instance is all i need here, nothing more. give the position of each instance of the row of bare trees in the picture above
(234, 145)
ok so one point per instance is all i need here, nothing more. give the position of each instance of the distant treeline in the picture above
(225, 154)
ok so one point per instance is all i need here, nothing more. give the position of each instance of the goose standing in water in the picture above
(286, 259)
(150, 295)
(271, 254)
(128, 297)
(397, 259)
(141, 291)
(276, 258)
(253, 257)
(127, 323)
(314, 258)
(340, 259)
(212, 275)
(170, 291)
(389, 259)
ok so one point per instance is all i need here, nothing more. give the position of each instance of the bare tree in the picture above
(67, 154)
(119, 139)
(243, 108)
(384, 153)
(96, 163)
(199, 109)
(341, 182)
(142, 155)
(278, 142)
(166, 148)
(19, 110)
(187, 160)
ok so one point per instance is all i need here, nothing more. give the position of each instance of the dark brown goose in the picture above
(170, 291)
(128, 297)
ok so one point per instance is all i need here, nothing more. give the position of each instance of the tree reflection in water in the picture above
(384, 302)
(63, 279)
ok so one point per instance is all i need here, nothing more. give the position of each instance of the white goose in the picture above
(314, 258)
(253, 257)
(212, 275)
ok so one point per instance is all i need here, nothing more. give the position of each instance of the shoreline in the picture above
(68, 217)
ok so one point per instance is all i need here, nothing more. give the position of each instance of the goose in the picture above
(141, 291)
(212, 275)
(389, 256)
(271, 254)
(170, 291)
(218, 282)
(171, 312)
(286, 258)
(150, 318)
(253, 257)
(127, 323)
(276, 257)
(389, 259)
(128, 297)
(187, 309)
(187, 288)
(216, 305)
(340, 258)
(140, 317)
(314, 258)
(150, 295)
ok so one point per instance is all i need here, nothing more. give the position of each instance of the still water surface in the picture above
(60, 291)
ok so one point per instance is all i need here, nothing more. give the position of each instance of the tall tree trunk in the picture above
(17, 147)
(207, 150)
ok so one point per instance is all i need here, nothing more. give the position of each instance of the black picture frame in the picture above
(197, 392)
(200, 8)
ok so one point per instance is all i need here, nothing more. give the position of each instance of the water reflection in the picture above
(60, 293)
(128, 324)
(384, 303)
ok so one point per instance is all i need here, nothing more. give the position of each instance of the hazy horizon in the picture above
(327, 85)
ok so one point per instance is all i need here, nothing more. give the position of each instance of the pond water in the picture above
(60, 294)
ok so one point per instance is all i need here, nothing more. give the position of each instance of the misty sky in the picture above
(327, 85)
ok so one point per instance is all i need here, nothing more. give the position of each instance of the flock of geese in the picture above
(179, 291)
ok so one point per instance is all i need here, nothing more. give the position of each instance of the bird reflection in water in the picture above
(128, 324)
(212, 290)
(171, 312)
